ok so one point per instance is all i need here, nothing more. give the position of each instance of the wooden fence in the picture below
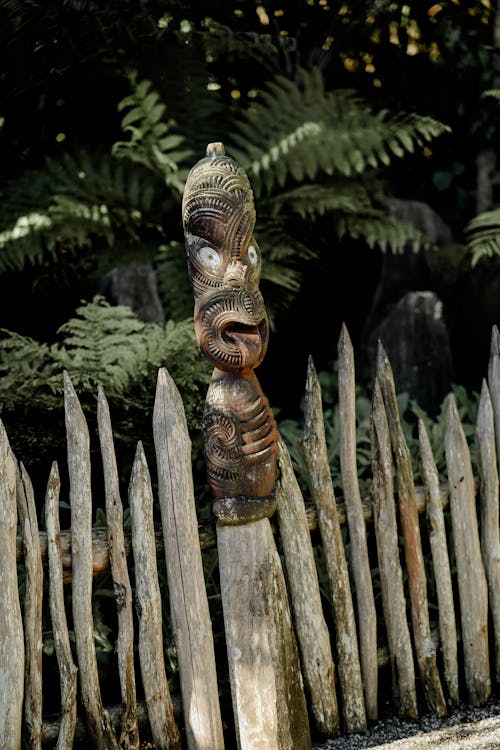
(431, 666)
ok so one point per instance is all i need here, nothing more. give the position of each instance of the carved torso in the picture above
(232, 331)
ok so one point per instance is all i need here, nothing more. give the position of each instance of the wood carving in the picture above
(232, 330)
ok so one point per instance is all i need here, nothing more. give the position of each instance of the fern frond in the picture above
(315, 199)
(301, 130)
(482, 236)
(378, 229)
(491, 94)
(151, 142)
(72, 201)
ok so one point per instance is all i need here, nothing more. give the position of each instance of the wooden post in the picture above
(472, 586)
(78, 441)
(314, 444)
(268, 700)
(188, 599)
(32, 611)
(312, 632)
(441, 564)
(488, 494)
(67, 668)
(129, 735)
(232, 330)
(417, 581)
(367, 616)
(148, 604)
(391, 576)
(11, 625)
(494, 385)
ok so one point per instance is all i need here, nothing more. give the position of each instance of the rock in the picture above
(135, 285)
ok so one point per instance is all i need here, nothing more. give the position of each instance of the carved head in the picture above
(224, 263)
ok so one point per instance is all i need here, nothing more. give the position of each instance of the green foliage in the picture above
(151, 142)
(101, 345)
(302, 131)
(482, 236)
(72, 203)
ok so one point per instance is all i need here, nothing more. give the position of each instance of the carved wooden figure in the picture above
(232, 330)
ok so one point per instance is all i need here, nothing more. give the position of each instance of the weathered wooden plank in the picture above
(441, 565)
(314, 444)
(188, 599)
(32, 615)
(78, 446)
(494, 385)
(417, 581)
(472, 586)
(367, 616)
(129, 733)
(67, 669)
(312, 632)
(391, 575)
(149, 608)
(11, 625)
(488, 495)
(269, 706)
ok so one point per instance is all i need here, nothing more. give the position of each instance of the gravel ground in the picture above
(465, 729)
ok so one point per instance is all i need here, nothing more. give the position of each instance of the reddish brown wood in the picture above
(232, 330)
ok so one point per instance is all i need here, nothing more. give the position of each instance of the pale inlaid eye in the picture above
(253, 255)
(209, 257)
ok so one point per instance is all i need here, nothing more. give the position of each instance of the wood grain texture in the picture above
(312, 633)
(494, 385)
(32, 614)
(78, 446)
(349, 670)
(269, 706)
(441, 565)
(11, 625)
(408, 515)
(67, 668)
(488, 501)
(472, 585)
(367, 616)
(188, 599)
(391, 574)
(149, 609)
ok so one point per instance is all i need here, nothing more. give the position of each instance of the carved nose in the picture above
(236, 274)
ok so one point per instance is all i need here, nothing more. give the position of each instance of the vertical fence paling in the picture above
(314, 444)
(67, 668)
(98, 722)
(417, 582)
(11, 628)
(470, 572)
(488, 494)
(494, 385)
(148, 602)
(367, 616)
(32, 610)
(129, 735)
(391, 576)
(441, 564)
(312, 632)
(188, 598)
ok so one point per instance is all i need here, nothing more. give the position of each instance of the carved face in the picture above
(224, 263)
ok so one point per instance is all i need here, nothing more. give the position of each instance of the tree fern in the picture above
(151, 142)
(482, 236)
(300, 130)
(71, 202)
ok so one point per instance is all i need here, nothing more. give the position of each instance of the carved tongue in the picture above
(247, 339)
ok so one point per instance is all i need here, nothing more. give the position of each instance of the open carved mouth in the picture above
(237, 330)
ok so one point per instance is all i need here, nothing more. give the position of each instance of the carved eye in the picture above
(209, 257)
(253, 255)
